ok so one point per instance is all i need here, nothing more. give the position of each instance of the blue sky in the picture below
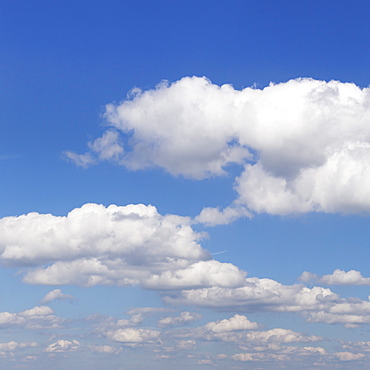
(184, 183)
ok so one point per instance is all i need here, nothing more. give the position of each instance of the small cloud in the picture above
(213, 216)
(338, 277)
(63, 346)
(57, 294)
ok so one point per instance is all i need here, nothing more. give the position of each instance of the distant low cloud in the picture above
(304, 144)
(36, 318)
(184, 318)
(338, 277)
(57, 294)
(63, 346)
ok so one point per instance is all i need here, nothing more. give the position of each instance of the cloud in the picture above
(7, 349)
(237, 322)
(338, 277)
(105, 349)
(186, 344)
(348, 356)
(133, 336)
(257, 295)
(303, 144)
(63, 346)
(56, 294)
(214, 216)
(130, 245)
(184, 318)
(36, 318)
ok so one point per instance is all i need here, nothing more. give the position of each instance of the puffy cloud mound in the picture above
(134, 336)
(63, 346)
(130, 245)
(237, 322)
(338, 277)
(36, 318)
(304, 144)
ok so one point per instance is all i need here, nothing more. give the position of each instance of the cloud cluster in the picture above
(7, 349)
(304, 144)
(63, 346)
(36, 318)
(130, 245)
(135, 245)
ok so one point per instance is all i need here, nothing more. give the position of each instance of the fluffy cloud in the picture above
(304, 144)
(338, 277)
(237, 322)
(185, 317)
(256, 295)
(63, 346)
(316, 304)
(8, 348)
(36, 318)
(131, 245)
(133, 336)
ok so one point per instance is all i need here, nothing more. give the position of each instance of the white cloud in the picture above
(105, 349)
(36, 318)
(237, 322)
(304, 143)
(56, 294)
(132, 335)
(258, 295)
(338, 277)
(130, 245)
(199, 274)
(63, 346)
(215, 216)
(7, 349)
(348, 356)
(148, 310)
(186, 344)
(185, 317)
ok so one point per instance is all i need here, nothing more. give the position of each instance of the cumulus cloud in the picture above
(129, 245)
(7, 349)
(215, 216)
(256, 295)
(348, 356)
(304, 144)
(338, 277)
(237, 322)
(133, 336)
(63, 346)
(184, 318)
(57, 294)
(36, 318)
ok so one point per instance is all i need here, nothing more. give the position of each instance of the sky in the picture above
(184, 184)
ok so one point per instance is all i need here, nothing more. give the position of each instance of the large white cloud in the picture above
(130, 245)
(304, 144)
